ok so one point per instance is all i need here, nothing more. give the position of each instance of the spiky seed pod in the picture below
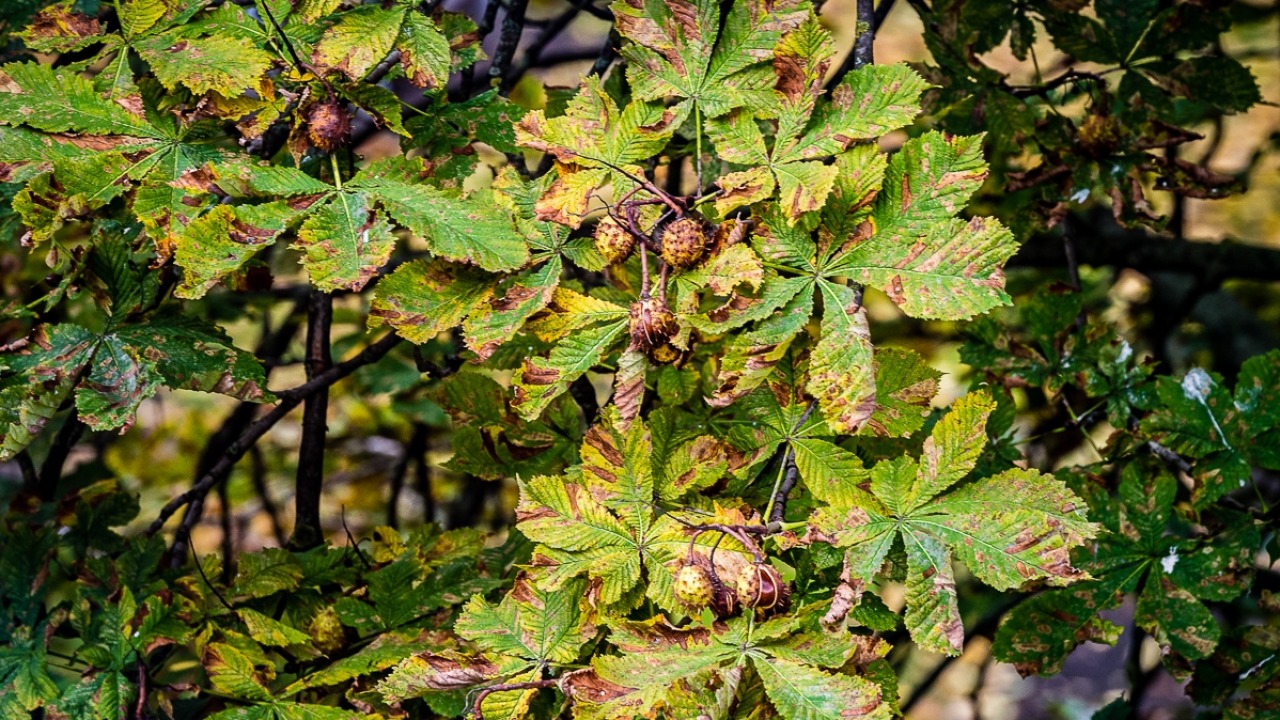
(698, 586)
(693, 586)
(684, 242)
(327, 631)
(1100, 135)
(328, 125)
(761, 587)
(613, 241)
(652, 324)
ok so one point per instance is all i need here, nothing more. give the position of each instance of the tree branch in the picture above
(309, 481)
(270, 348)
(289, 399)
(508, 40)
(863, 52)
(51, 470)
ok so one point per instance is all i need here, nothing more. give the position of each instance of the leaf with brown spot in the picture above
(905, 387)
(841, 375)
(590, 142)
(930, 263)
(504, 315)
(689, 52)
(1009, 528)
(422, 298)
(222, 240)
(344, 242)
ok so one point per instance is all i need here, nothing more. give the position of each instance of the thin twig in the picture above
(258, 473)
(778, 500)
(200, 569)
(297, 61)
(1070, 76)
(289, 399)
(351, 541)
(228, 537)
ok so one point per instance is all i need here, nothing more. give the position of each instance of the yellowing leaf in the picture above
(1008, 528)
(841, 375)
(423, 298)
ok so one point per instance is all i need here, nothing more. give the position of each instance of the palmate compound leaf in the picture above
(527, 630)
(1007, 529)
(1226, 433)
(603, 523)
(110, 373)
(590, 143)
(93, 149)
(345, 234)
(680, 49)
(691, 671)
(930, 263)
(363, 37)
(841, 371)
(872, 101)
(1172, 575)
(585, 330)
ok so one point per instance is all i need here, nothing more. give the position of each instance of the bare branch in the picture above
(289, 399)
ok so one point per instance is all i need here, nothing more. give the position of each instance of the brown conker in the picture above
(652, 323)
(614, 242)
(683, 242)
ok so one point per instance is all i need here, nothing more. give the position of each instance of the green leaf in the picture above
(231, 672)
(56, 100)
(1176, 619)
(541, 380)
(681, 50)
(474, 229)
(594, 142)
(360, 39)
(269, 631)
(424, 51)
(905, 386)
(497, 321)
(581, 534)
(226, 65)
(1008, 528)
(800, 692)
(930, 264)
(841, 375)
(36, 381)
(1038, 635)
(189, 354)
(224, 239)
(601, 522)
(870, 102)
(423, 298)
(537, 625)
(265, 573)
(344, 243)
(1220, 81)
